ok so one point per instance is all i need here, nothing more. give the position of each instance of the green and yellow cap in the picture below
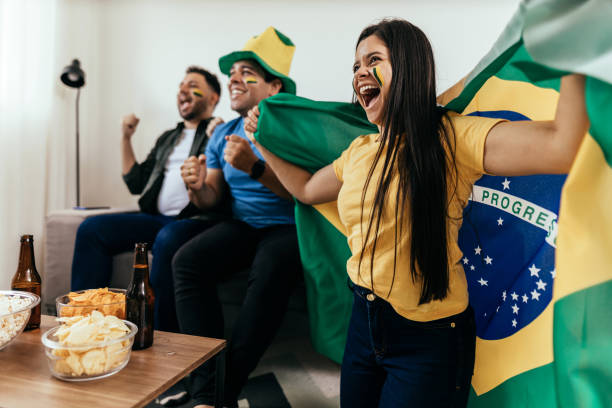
(272, 50)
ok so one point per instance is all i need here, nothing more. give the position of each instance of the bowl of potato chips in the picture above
(88, 347)
(15, 309)
(110, 302)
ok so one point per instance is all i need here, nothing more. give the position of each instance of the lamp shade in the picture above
(72, 75)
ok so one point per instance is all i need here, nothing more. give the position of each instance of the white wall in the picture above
(135, 52)
(143, 47)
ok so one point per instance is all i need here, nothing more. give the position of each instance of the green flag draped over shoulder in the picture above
(312, 135)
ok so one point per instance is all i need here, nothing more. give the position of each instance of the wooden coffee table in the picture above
(27, 382)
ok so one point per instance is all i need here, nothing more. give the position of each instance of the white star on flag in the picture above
(541, 285)
(553, 273)
(472, 267)
(465, 260)
(534, 270)
(488, 260)
(477, 250)
(500, 221)
(535, 295)
(514, 296)
(515, 309)
(483, 282)
(525, 298)
(504, 295)
(513, 322)
(506, 184)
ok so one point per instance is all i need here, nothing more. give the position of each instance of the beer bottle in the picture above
(27, 278)
(140, 299)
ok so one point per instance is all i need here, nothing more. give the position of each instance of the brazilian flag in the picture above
(537, 250)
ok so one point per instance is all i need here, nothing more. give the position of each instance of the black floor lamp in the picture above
(74, 77)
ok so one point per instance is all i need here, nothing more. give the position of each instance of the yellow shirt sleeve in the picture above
(470, 135)
(339, 163)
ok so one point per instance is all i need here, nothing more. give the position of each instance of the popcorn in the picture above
(12, 324)
(84, 331)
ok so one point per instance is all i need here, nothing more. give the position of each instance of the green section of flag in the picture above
(514, 64)
(311, 135)
(308, 133)
(324, 252)
(583, 347)
(571, 35)
(576, 36)
(534, 388)
(599, 107)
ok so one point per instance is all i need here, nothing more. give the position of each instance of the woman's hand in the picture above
(251, 122)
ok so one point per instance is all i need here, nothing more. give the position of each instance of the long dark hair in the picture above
(419, 148)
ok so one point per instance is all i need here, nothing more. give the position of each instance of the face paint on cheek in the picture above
(378, 76)
(197, 92)
(250, 80)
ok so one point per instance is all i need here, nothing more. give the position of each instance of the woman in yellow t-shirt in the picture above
(400, 196)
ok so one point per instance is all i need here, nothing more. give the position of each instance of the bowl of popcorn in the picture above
(110, 302)
(88, 347)
(15, 309)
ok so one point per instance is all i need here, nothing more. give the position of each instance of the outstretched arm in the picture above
(541, 147)
(320, 187)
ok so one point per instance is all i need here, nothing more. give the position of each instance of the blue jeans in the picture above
(101, 237)
(392, 362)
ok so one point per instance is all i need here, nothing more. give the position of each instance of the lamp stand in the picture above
(78, 181)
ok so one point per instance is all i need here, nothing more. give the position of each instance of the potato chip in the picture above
(103, 300)
(90, 330)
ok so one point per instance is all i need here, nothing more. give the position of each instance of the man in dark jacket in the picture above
(167, 218)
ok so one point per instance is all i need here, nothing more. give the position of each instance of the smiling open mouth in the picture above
(184, 103)
(369, 94)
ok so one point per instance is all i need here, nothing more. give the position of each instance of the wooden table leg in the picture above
(220, 379)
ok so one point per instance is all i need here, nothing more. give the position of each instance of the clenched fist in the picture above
(193, 172)
(239, 154)
(128, 125)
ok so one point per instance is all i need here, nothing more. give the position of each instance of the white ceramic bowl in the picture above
(89, 361)
(15, 320)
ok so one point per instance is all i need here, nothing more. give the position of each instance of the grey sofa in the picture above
(60, 234)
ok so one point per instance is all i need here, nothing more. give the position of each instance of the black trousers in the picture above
(226, 248)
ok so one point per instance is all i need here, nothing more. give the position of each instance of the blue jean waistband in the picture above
(367, 295)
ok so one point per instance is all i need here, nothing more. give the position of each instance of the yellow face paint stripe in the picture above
(250, 80)
(378, 76)
(197, 92)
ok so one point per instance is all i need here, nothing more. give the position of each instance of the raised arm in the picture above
(128, 127)
(540, 147)
(320, 187)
